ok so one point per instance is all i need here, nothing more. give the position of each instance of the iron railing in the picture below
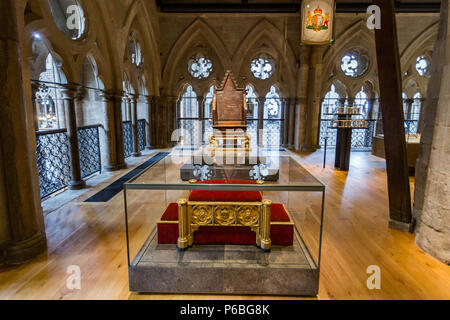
(89, 148)
(361, 138)
(127, 138)
(53, 157)
(141, 134)
(53, 161)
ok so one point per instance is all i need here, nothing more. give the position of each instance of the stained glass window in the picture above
(47, 102)
(416, 106)
(189, 104)
(272, 106)
(134, 50)
(330, 102)
(423, 66)
(208, 102)
(263, 67)
(362, 103)
(354, 64)
(252, 102)
(200, 67)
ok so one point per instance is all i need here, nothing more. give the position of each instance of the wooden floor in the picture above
(356, 235)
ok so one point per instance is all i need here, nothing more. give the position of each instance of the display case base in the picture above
(224, 269)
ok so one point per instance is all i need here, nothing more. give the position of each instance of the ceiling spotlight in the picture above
(36, 35)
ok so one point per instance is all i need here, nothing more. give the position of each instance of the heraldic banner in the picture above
(317, 21)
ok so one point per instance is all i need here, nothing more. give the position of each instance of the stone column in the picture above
(260, 133)
(134, 120)
(118, 97)
(171, 119)
(302, 97)
(432, 189)
(313, 101)
(25, 231)
(68, 94)
(285, 108)
(34, 89)
(291, 132)
(148, 105)
(109, 128)
(409, 103)
(201, 110)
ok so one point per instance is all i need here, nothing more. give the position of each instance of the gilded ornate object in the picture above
(193, 214)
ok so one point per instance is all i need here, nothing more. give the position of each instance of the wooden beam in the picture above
(389, 77)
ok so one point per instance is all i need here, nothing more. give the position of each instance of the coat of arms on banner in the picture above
(317, 22)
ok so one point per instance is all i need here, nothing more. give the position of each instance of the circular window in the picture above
(263, 67)
(69, 17)
(354, 64)
(423, 66)
(200, 67)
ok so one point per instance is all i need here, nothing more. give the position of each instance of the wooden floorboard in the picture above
(92, 236)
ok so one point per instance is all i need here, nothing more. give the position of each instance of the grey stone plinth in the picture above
(224, 269)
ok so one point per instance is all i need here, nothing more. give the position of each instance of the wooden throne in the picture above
(229, 115)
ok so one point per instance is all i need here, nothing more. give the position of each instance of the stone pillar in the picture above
(313, 101)
(134, 120)
(68, 94)
(154, 122)
(109, 128)
(160, 120)
(25, 238)
(201, 109)
(260, 133)
(432, 188)
(148, 106)
(171, 119)
(34, 89)
(302, 101)
(409, 103)
(291, 132)
(285, 108)
(118, 97)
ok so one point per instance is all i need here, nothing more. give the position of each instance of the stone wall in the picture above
(432, 192)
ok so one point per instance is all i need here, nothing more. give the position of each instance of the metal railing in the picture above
(142, 139)
(361, 138)
(127, 138)
(89, 148)
(53, 157)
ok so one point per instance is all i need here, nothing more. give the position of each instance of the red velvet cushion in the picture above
(171, 213)
(278, 213)
(225, 196)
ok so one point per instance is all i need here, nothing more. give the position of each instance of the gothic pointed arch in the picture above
(266, 38)
(359, 38)
(198, 37)
(138, 22)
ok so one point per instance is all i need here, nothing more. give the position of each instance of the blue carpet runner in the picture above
(117, 186)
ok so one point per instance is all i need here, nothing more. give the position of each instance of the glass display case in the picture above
(221, 235)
